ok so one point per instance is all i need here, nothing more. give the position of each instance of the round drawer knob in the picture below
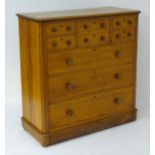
(85, 26)
(102, 25)
(68, 28)
(129, 22)
(117, 76)
(102, 38)
(117, 53)
(69, 112)
(117, 100)
(117, 36)
(54, 29)
(129, 34)
(54, 44)
(68, 42)
(118, 23)
(86, 40)
(69, 61)
(70, 86)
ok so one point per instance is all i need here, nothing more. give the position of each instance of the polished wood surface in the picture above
(90, 107)
(81, 13)
(78, 74)
(81, 58)
(74, 84)
(32, 72)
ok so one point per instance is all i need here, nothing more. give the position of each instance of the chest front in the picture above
(78, 74)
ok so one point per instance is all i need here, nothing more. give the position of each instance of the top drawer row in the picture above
(91, 24)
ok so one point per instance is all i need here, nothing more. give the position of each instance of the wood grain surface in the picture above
(78, 71)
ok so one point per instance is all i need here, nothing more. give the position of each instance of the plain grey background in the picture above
(129, 139)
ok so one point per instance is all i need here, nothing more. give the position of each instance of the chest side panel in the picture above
(32, 73)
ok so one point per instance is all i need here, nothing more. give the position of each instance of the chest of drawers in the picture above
(78, 71)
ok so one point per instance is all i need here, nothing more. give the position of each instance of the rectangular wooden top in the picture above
(81, 13)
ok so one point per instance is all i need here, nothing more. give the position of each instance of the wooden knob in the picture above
(69, 61)
(54, 44)
(85, 26)
(129, 34)
(102, 25)
(86, 40)
(117, 36)
(117, 76)
(70, 86)
(54, 29)
(117, 100)
(129, 22)
(68, 28)
(68, 42)
(102, 38)
(118, 23)
(69, 112)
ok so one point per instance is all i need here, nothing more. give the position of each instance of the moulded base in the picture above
(68, 133)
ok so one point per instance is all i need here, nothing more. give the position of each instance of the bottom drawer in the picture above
(90, 107)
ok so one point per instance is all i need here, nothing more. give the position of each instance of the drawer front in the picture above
(64, 86)
(87, 58)
(89, 108)
(60, 28)
(114, 55)
(115, 77)
(128, 21)
(62, 42)
(71, 84)
(95, 24)
(93, 39)
(69, 60)
(121, 36)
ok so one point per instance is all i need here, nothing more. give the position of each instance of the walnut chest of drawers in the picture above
(78, 71)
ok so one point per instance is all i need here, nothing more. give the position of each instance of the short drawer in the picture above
(121, 36)
(69, 60)
(60, 28)
(125, 21)
(93, 39)
(87, 58)
(75, 83)
(114, 55)
(91, 107)
(96, 24)
(61, 42)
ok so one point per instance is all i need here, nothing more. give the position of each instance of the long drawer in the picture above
(86, 58)
(90, 107)
(72, 84)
